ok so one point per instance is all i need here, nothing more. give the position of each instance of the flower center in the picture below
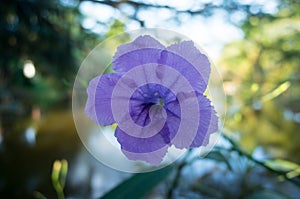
(159, 99)
(161, 102)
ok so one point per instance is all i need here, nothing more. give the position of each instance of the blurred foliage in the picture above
(26, 168)
(49, 34)
(58, 176)
(262, 80)
(230, 172)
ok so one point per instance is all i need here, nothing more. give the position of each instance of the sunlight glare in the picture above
(29, 69)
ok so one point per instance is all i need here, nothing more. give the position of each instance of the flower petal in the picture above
(208, 122)
(142, 145)
(195, 68)
(154, 158)
(190, 53)
(151, 150)
(173, 117)
(184, 128)
(144, 41)
(98, 106)
(124, 52)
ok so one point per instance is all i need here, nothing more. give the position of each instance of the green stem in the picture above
(60, 195)
(59, 190)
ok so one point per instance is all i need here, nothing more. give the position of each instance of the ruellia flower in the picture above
(156, 98)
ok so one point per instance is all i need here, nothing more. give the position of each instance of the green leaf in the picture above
(277, 91)
(290, 168)
(282, 165)
(218, 156)
(138, 185)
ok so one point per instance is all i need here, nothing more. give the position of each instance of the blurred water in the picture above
(98, 177)
(27, 155)
(28, 151)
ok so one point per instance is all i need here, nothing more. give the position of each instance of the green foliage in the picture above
(58, 176)
(220, 157)
(262, 82)
(291, 169)
(50, 35)
(116, 28)
(138, 185)
(243, 177)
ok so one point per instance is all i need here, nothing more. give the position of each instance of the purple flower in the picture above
(156, 98)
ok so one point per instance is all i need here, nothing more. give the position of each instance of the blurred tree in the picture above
(53, 36)
(263, 82)
(48, 34)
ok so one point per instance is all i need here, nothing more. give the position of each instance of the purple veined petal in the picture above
(151, 150)
(193, 56)
(98, 106)
(140, 42)
(137, 57)
(154, 158)
(128, 59)
(146, 42)
(174, 117)
(188, 122)
(143, 145)
(90, 103)
(208, 122)
(184, 67)
(139, 112)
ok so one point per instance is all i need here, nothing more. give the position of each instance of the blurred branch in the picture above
(138, 5)
(205, 9)
(179, 169)
(236, 148)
